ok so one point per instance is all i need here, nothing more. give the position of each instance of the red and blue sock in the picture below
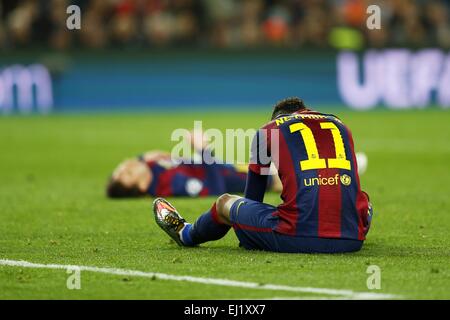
(206, 228)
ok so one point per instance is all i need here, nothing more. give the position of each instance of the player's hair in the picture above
(288, 106)
(115, 189)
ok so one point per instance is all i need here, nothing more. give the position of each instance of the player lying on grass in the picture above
(155, 173)
(323, 208)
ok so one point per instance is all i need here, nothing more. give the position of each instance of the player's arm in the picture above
(255, 186)
(258, 169)
(154, 155)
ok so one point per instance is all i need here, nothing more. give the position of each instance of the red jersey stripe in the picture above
(289, 211)
(329, 204)
(251, 228)
(361, 198)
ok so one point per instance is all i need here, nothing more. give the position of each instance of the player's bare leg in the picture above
(223, 206)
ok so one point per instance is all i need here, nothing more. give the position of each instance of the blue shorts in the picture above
(254, 223)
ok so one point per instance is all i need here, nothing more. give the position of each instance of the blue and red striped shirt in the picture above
(315, 157)
(195, 180)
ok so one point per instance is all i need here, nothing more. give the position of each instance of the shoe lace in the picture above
(174, 220)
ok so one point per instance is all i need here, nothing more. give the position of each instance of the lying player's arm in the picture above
(154, 155)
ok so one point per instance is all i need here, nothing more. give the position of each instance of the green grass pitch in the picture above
(53, 209)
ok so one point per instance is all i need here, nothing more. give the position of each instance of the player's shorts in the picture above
(254, 223)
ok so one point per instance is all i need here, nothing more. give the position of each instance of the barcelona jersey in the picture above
(171, 178)
(315, 157)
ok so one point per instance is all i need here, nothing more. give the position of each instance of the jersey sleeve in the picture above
(255, 187)
(260, 158)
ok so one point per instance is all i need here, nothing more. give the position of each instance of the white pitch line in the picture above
(309, 298)
(349, 294)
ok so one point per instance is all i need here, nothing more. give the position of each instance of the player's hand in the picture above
(197, 139)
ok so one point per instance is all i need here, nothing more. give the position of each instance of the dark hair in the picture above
(287, 106)
(115, 189)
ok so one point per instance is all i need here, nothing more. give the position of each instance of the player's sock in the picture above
(185, 236)
(206, 228)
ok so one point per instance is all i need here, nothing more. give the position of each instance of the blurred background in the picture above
(148, 54)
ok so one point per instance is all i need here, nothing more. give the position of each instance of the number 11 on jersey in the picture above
(314, 161)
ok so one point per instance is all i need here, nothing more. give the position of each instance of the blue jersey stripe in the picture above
(307, 197)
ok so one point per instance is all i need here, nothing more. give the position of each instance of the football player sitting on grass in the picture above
(323, 209)
(155, 173)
